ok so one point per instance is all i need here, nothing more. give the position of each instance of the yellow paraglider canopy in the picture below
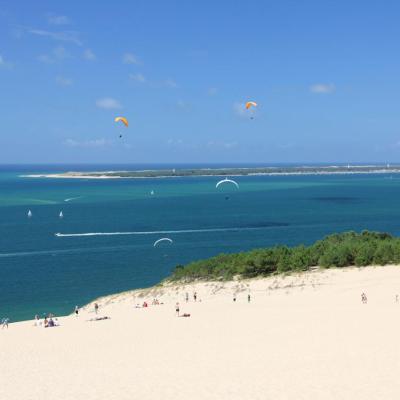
(250, 104)
(122, 119)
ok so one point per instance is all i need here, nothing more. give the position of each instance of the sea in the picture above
(104, 243)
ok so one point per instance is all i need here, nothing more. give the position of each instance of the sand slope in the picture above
(301, 337)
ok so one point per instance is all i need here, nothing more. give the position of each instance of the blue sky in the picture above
(324, 73)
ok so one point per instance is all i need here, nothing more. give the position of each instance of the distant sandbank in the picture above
(222, 172)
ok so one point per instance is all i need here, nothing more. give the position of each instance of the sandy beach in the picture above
(300, 337)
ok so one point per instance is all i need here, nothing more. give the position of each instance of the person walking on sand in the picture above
(364, 298)
(4, 323)
(36, 320)
(187, 297)
(248, 298)
(96, 308)
(195, 296)
(177, 309)
(76, 310)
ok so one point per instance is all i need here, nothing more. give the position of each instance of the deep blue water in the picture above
(40, 272)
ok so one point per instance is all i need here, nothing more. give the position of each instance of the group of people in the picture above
(49, 321)
(248, 298)
(187, 297)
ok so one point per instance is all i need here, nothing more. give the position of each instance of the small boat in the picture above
(152, 192)
(61, 215)
(29, 214)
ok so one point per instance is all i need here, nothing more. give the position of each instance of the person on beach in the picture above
(177, 309)
(4, 323)
(187, 297)
(36, 323)
(195, 296)
(248, 298)
(76, 310)
(96, 308)
(234, 297)
(364, 298)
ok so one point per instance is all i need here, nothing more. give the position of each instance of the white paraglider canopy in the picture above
(226, 180)
(162, 240)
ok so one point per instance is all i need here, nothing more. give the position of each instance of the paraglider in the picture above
(249, 106)
(124, 121)
(226, 180)
(162, 240)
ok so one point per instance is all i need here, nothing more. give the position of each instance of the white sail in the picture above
(29, 213)
(61, 215)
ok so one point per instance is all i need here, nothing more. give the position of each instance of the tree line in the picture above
(336, 250)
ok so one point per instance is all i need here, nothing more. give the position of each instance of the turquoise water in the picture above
(40, 272)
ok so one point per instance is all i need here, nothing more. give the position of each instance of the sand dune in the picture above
(301, 337)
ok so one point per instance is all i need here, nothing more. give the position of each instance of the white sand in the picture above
(301, 337)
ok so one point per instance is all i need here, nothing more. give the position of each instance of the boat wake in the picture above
(72, 198)
(139, 233)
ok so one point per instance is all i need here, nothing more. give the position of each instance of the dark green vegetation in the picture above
(337, 250)
(241, 171)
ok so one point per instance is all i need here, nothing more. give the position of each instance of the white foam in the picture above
(158, 232)
(72, 198)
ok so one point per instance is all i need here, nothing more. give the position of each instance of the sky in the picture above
(323, 73)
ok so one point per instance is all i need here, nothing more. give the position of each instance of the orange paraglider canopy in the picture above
(123, 120)
(250, 104)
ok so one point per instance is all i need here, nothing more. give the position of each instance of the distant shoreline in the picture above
(221, 172)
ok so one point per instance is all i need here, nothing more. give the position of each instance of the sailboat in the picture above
(152, 192)
(61, 215)
(29, 214)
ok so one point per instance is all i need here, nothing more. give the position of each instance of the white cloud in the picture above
(137, 78)
(88, 143)
(212, 91)
(170, 83)
(45, 58)
(58, 54)
(108, 103)
(224, 145)
(129, 58)
(174, 142)
(239, 109)
(181, 104)
(58, 19)
(89, 55)
(323, 88)
(63, 81)
(63, 36)
(4, 63)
